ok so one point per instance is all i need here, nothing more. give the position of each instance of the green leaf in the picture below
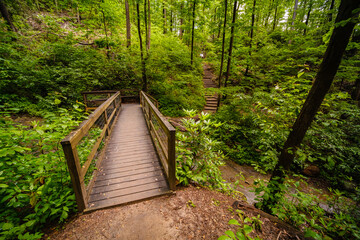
(234, 222)
(230, 233)
(248, 229)
(2, 185)
(7, 226)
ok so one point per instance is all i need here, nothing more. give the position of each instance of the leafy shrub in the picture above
(35, 186)
(198, 158)
(174, 82)
(336, 216)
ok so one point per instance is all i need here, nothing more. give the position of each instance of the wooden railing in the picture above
(77, 145)
(163, 136)
(94, 99)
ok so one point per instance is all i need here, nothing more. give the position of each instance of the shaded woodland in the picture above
(288, 77)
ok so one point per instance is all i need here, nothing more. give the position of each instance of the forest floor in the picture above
(191, 213)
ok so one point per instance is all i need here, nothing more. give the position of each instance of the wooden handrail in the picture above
(91, 104)
(164, 148)
(71, 141)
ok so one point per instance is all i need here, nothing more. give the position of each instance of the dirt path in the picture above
(191, 213)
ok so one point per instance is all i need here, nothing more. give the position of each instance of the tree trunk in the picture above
(323, 80)
(146, 24)
(251, 35)
(308, 17)
(181, 21)
(106, 34)
(231, 44)
(223, 45)
(330, 10)
(171, 16)
(275, 16)
(192, 33)
(164, 16)
(294, 17)
(268, 15)
(144, 88)
(5, 14)
(78, 14)
(356, 93)
(128, 24)
(149, 27)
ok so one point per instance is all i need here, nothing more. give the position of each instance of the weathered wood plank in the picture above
(131, 169)
(128, 198)
(107, 182)
(127, 191)
(127, 184)
(106, 176)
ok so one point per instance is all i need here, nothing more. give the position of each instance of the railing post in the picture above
(74, 167)
(106, 122)
(172, 160)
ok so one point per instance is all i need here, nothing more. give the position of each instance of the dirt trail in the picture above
(193, 213)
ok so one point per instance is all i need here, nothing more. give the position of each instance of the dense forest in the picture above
(288, 77)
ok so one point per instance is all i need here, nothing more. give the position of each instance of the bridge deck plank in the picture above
(131, 170)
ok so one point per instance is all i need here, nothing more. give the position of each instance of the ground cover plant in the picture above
(35, 183)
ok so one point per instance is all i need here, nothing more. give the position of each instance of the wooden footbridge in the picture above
(122, 153)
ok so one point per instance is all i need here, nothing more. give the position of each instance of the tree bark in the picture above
(323, 80)
(223, 45)
(231, 44)
(181, 21)
(330, 10)
(146, 24)
(192, 33)
(5, 14)
(164, 16)
(128, 25)
(106, 34)
(356, 93)
(251, 35)
(144, 88)
(149, 27)
(294, 17)
(275, 16)
(308, 17)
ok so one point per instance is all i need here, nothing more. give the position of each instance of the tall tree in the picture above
(164, 16)
(128, 24)
(331, 10)
(323, 80)
(251, 35)
(146, 23)
(223, 46)
(144, 88)
(192, 32)
(149, 27)
(181, 20)
(5, 14)
(294, 17)
(308, 16)
(231, 44)
(275, 15)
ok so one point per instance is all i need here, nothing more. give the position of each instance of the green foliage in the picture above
(256, 126)
(335, 217)
(35, 186)
(198, 158)
(246, 226)
(174, 82)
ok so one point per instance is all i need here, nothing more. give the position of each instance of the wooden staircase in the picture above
(211, 100)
